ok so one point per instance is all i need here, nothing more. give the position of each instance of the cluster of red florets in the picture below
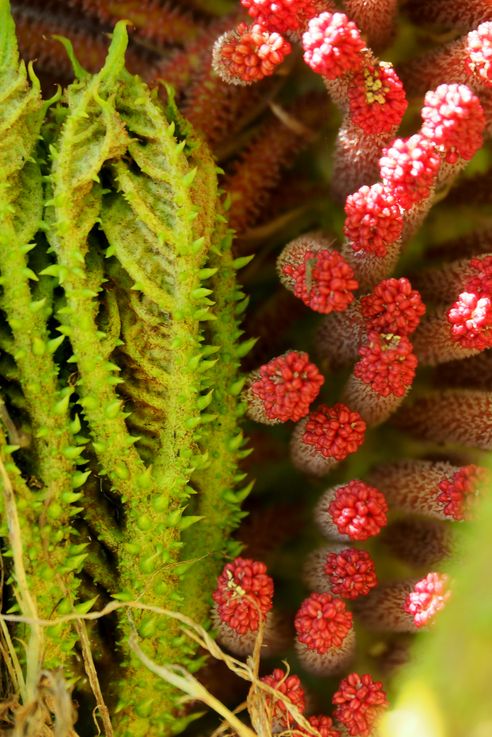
(387, 364)
(286, 386)
(358, 510)
(322, 622)
(374, 219)
(332, 45)
(335, 432)
(470, 317)
(249, 53)
(244, 593)
(457, 492)
(290, 686)
(359, 702)
(479, 53)
(392, 307)
(351, 573)
(280, 15)
(409, 168)
(322, 279)
(428, 597)
(377, 99)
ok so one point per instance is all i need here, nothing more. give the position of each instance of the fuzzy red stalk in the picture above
(351, 511)
(359, 702)
(450, 14)
(289, 686)
(325, 636)
(419, 542)
(283, 389)
(341, 571)
(375, 18)
(316, 274)
(436, 489)
(325, 437)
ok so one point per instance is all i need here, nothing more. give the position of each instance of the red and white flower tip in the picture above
(382, 376)
(323, 724)
(325, 437)
(289, 686)
(374, 219)
(409, 168)
(341, 571)
(352, 511)
(392, 307)
(248, 54)
(470, 318)
(280, 15)
(325, 639)
(436, 489)
(359, 701)
(377, 100)
(479, 54)
(319, 276)
(243, 598)
(427, 598)
(453, 120)
(332, 45)
(283, 389)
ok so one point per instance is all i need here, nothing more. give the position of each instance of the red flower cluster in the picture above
(351, 573)
(428, 597)
(358, 510)
(387, 364)
(322, 622)
(335, 432)
(359, 701)
(244, 593)
(393, 307)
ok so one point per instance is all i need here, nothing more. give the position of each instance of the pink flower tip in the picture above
(454, 121)
(322, 622)
(351, 573)
(284, 388)
(428, 597)
(358, 510)
(470, 318)
(387, 364)
(392, 307)
(332, 45)
(359, 702)
(374, 219)
(377, 99)
(280, 15)
(290, 686)
(248, 54)
(409, 168)
(244, 593)
(335, 432)
(457, 492)
(479, 58)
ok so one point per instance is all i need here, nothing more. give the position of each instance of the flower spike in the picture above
(341, 571)
(374, 219)
(351, 511)
(419, 542)
(358, 703)
(392, 307)
(377, 99)
(281, 15)
(248, 54)
(332, 45)
(409, 169)
(289, 686)
(427, 598)
(325, 636)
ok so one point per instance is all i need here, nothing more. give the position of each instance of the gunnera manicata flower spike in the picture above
(351, 511)
(248, 53)
(290, 686)
(325, 437)
(325, 639)
(359, 702)
(332, 45)
(377, 100)
(392, 307)
(404, 606)
(373, 220)
(409, 168)
(242, 599)
(317, 274)
(418, 541)
(283, 389)
(382, 377)
(282, 16)
(340, 570)
(436, 489)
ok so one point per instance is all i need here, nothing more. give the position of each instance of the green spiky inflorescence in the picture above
(120, 314)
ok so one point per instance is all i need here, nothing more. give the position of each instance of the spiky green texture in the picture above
(48, 503)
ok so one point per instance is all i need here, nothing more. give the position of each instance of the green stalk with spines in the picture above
(50, 565)
(159, 228)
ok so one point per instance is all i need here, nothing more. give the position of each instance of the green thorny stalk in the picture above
(139, 281)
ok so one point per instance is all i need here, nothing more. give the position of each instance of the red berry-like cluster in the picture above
(428, 597)
(359, 701)
(280, 15)
(291, 687)
(244, 593)
(332, 45)
(322, 622)
(351, 573)
(374, 219)
(323, 280)
(287, 386)
(249, 53)
(358, 510)
(479, 56)
(457, 492)
(470, 318)
(393, 307)
(409, 169)
(453, 120)
(335, 432)
(377, 99)
(324, 725)
(387, 364)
